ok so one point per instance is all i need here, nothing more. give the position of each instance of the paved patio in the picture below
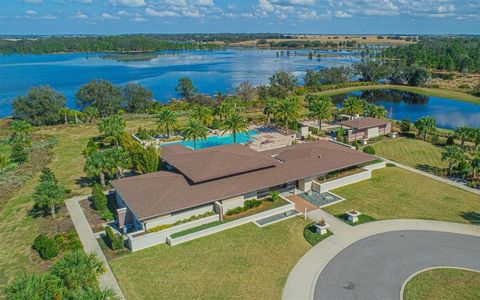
(301, 204)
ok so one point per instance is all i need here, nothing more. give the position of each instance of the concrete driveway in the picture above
(376, 267)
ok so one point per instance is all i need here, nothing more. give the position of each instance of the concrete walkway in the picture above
(302, 279)
(434, 177)
(90, 244)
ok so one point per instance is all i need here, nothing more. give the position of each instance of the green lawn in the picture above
(445, 284)
(246, 262)
(412, 152)
(394, 193)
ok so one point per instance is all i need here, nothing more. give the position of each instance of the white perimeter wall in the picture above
(184, 214)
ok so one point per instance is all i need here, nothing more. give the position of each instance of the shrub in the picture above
(249, 204)
(46, 247)
(196, 217)
(390, 165)
(234, 211)
(115, 240)
(356, 144)
(274, 196)
(159, 227)
(106, 215)
(369, 150)
(99, 199)
(450, 140)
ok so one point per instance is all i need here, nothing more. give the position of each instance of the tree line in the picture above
(119, 43)
(451, 53)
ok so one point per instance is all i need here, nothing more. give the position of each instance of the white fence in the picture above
(336, 183)
(146, 240)
(208, 231)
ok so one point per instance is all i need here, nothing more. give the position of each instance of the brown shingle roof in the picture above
(364, 123)
(215, 162)
(164, 192)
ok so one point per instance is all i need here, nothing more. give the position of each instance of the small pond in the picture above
(449, 113)
(320, 199)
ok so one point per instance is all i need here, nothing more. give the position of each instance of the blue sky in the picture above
(286, 16)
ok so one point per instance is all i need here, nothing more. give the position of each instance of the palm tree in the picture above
(167, 120)
(475, 162)
(375, 111)
(224, 109)
(195, 130)
(234, 124)
(463, 133)
(35, 286)
(453, 155)
(287, 111)
(269, 110)
(203, 114)
(93, 293)
(320, 109)
(78, 269)
(353, 106)
(425, 125)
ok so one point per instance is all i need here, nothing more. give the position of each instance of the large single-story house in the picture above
(365, 128)
(221, 178)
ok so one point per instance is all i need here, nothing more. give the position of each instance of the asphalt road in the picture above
(377, 266)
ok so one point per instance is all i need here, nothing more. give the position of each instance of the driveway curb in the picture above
(302, 279)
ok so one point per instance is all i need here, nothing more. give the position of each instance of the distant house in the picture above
(220, 178)
(365, 128)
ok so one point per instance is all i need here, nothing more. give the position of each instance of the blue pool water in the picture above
(212, 141)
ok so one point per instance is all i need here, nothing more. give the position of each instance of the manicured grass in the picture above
(445, 284)
(196, 229)
(394, 193)
(245, 262)
(412, 152)
(436, 92)
(311, 235)
(361, 219)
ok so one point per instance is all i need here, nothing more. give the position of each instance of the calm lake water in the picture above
(400, 105)
(211, 71)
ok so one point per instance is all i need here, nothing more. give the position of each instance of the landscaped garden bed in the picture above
(264, 205)
(361, 219)
(339, 174)
(311, 235)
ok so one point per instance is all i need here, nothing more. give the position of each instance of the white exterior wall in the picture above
(140, 242)
(184, 214)
(336, 183)
(232, 203)
(372, 132)
(305, 184)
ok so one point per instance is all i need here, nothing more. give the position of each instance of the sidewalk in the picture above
(302, 279)
(434, 177)
(90, 244)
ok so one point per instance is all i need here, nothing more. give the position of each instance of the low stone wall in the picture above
(195, 235)
(376, 166)
(147, 240)
(336, 183)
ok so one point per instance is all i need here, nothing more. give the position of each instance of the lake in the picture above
(210, 71)
(400, 105)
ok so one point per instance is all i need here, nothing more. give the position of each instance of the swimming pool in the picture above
(216, 140)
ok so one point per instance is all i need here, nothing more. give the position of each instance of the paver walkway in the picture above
(435, 177)
(90, 244)
(301, 204)
(302, 279)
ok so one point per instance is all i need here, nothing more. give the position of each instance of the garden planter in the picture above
(353, 216)
(322, 228)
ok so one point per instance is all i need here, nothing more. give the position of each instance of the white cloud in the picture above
(30, 12)
(208, 3)
(85, 1)
(33, 1)
(165, 13)
(80, 15)
(106, 16)
(48, 17)
(131, 3)
(191, 13)
(265, 6)
(308, 15)
(342, 14)
(138, 19)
